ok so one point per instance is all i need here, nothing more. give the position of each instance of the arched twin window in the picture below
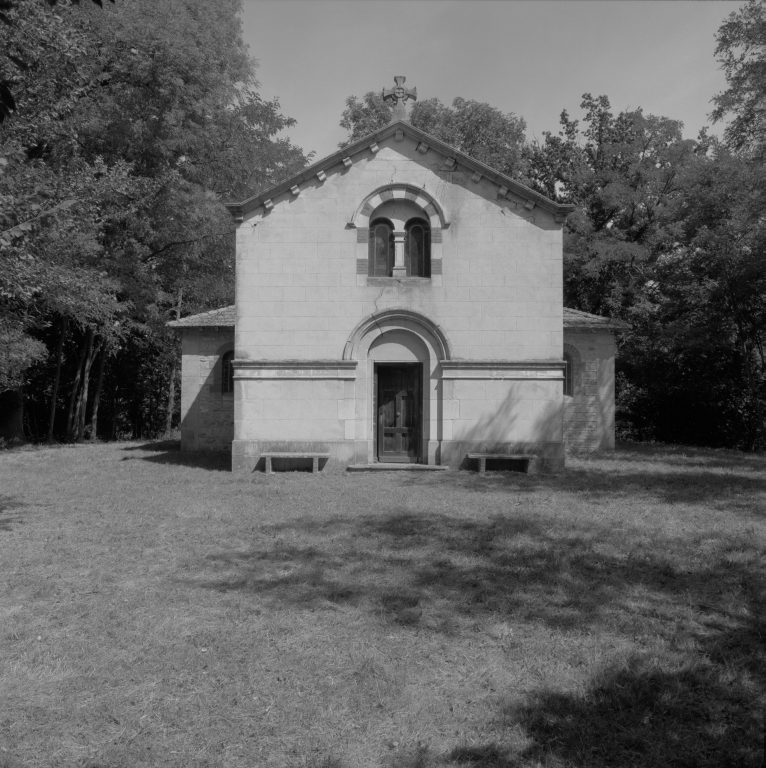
(417, 248)
(227, 373)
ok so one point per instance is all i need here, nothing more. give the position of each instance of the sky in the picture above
(530, 57)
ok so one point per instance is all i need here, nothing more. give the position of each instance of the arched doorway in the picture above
(398, 358)
(400, 384)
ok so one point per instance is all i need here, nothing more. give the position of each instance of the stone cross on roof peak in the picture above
(399, 95)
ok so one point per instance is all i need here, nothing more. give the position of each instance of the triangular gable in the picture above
(574, 319)
(504, 183)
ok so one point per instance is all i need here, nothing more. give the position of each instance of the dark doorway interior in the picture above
(399, 411)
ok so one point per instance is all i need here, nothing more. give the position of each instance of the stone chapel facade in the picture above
(398, 302)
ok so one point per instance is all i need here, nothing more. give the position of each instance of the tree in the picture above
(622, 172)
(741, 51)
(476, 128)
(131, 125)
(667, 234)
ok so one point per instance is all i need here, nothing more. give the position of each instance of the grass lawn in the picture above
(157, 611)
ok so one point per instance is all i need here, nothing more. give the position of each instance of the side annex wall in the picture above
(207, 414)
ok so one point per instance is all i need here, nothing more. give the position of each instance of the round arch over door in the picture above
(406, 319)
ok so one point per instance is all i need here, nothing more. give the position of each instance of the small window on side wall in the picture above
(568, 375)
(227, 373)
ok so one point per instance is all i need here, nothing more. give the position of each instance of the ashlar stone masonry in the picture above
(399, 302)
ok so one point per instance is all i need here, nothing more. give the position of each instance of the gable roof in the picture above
(223, 317)
(573, 319)
(239, 210)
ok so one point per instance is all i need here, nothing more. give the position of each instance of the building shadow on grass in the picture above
(169, 452)
(9, 512)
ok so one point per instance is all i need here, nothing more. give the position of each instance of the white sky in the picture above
(532, 58)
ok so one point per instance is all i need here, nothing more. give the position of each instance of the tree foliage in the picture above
(668, 234)
(476, 128)
(741, 51)
(131, 125)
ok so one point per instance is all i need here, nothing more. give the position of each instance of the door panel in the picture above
(398, 416)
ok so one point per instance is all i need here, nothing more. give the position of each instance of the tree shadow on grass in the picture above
(741, 492)
(642, 713)
(639, 713)
(693, 706)
(683, 455)
(169, 452)
(695, 702)
(425, 571)
(9, 507)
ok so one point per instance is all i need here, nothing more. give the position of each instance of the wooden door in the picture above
(399, 412)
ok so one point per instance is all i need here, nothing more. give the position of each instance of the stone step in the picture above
(396, 467)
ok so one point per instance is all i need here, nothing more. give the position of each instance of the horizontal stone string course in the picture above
(499, 369)
(294, 369)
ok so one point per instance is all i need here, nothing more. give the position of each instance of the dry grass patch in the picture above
(158, 611)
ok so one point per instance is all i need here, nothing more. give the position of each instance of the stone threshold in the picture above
(392, 467)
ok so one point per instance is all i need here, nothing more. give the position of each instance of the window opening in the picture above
(417, 248)
(568, 377)
(381, 249)
(227, 373)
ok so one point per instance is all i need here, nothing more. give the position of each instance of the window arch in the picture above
(568, 375)
(417, 248)
(227, 373)
(380, 252)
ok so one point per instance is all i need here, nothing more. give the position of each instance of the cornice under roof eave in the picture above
(239, 210)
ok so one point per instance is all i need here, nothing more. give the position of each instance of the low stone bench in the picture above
(267, 457)
(529, 458)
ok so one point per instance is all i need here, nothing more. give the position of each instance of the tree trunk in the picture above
(57, 378)
(12, 416)
(70, 422)
(84, 391)
(755, 395)
(171, 400)
(97, 397)
(172, 382)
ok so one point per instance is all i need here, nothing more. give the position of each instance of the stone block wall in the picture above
(589, 412)
(207, 414)
(497, 293)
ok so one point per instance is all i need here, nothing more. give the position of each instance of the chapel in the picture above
(398, 303)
